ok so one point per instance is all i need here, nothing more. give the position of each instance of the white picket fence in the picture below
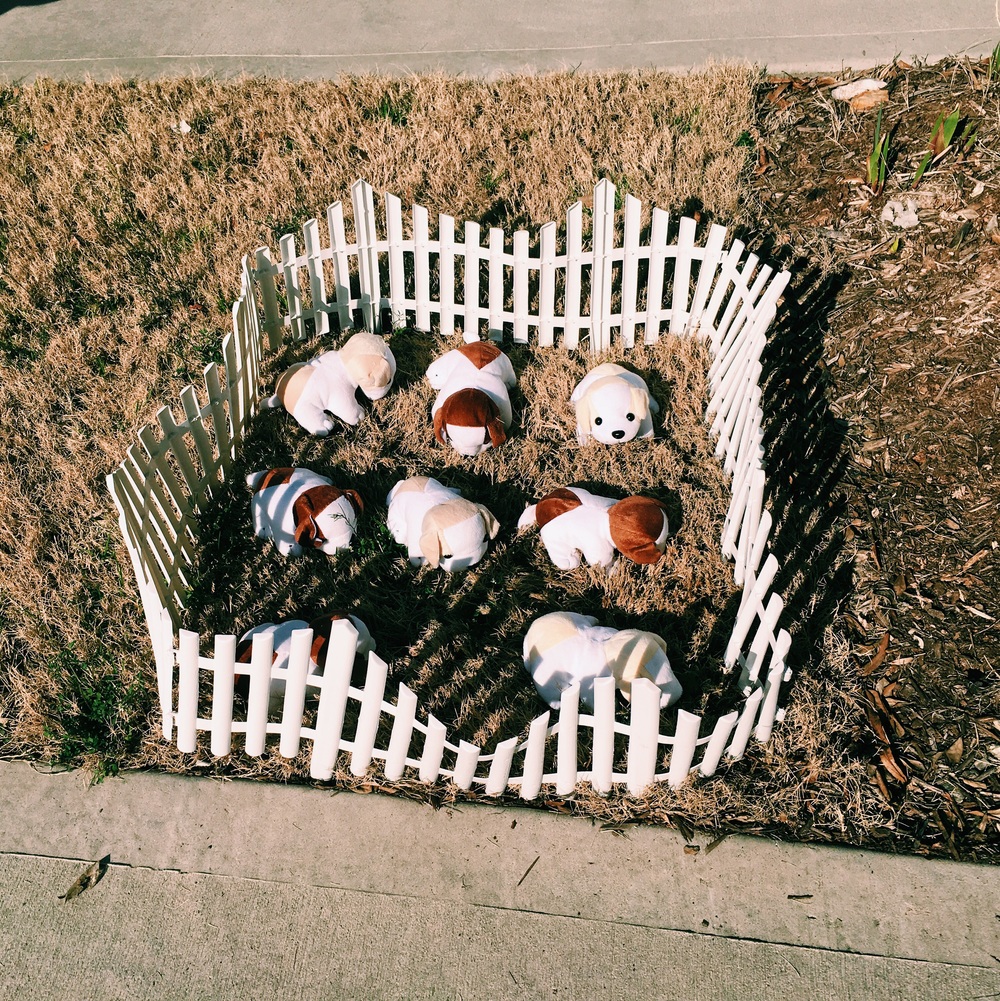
(720, 294)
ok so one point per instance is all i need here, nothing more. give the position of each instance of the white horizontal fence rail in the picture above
(724, 296)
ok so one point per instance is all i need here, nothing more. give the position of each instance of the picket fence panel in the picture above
(581, 296)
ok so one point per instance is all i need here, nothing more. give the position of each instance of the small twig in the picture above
(526, 871)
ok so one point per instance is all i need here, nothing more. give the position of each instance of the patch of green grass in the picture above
(393, 107)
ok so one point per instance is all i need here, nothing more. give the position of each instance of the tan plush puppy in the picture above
(472, 409)
(613, 405)
(437, 525)
(281, 649)
(563, 648)
(298, 509)
(312, 391)
(575, 523)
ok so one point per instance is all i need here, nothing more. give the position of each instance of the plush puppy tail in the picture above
(527, 520)
(271, 402)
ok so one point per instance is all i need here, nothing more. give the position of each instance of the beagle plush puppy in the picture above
(298, 509)
(613, 405)
(311, 391)
(281, 649)
(437, 525)
(574, 523)
(472, 408)
(563, 648)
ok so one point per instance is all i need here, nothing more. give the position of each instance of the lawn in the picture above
(126, 209)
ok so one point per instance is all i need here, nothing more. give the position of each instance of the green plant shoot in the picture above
(878, 159)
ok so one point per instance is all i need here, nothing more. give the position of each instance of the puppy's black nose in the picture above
(617, 434)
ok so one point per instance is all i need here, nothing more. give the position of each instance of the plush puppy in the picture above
(472, 408)
(311, 391)
(298, 509)
(281, 649)
(563, 648)
(437, 525)
(613, 405)
(575, 522)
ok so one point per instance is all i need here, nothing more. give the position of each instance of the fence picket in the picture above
(341, 264)
(684, 254)
(630, 269)
(264, 273)
(534, 757)
(604, 734)
(566, 748)
(654, 283)
(371, 711)
(521, 287)
(465, 764)
(574, 276)
(706, 276)
(471, 291)
(334, 690)
(546, 284)
(772, 689)
(723, 285)
(495, 285)
(644, 735)
(685, 744)
(421, 268)
(222, 695)
(430, 760)
(317, 283)
(717, 743)
(503, 757)
(188, 669)
(366, 230)
(163, 649)
(446, 272)
(741, 735)
(261, 657)
(397, 273)
(295, 672)
(603, 235)
(402, 733)
(293, 293)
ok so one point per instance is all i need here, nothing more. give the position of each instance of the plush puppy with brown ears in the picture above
(298, 509)
(613, 405)
(312, 391)
(574, 523)
(281, 634)
(472, 409)
(438, 525)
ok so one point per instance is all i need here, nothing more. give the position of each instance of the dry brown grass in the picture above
(119, 243)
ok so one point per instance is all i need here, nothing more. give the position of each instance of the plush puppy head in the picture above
(470, 422)
(369, 363)
(633, 654)
(612, 410)
(639, 528)
(326, 518)
(456, 534)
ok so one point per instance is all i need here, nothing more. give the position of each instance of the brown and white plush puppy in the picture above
(311, 391)
(563, 648)
(472, 409)
(613, 405)
(574, 523)
(298, 509)
(438, 525)
(282, 645)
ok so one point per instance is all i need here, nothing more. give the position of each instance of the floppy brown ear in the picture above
(439, 426)
(492, 525)
(306, 529)
(496, 432)
(640, 402)
(585, 414)
(430, 546)
(356, 502)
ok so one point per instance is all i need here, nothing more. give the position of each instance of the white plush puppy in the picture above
(298, 509)
(574, 523)
(282, 646)
(613, 405)
(311, 391)
(472, 409)
(563, 648)
(438, 525)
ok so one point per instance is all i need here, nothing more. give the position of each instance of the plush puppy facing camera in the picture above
(312, 391)
(613, 405)
(438, 525)
(298, 509)
(575, 523)
(472, 409)
(563, 648)
(281, 634)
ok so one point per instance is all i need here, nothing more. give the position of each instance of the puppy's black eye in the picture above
(598, 420)
(630, 417)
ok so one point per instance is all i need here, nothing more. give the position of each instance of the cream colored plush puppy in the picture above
(298, 509)
(282, 646)
(613, 405)
(437, 525)
(311, 391)
(574, 523)
(564, 648)
(472, 409)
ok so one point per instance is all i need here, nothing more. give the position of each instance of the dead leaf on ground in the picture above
(90, 876)
(954, 753)
(875, 662)
(868, 100)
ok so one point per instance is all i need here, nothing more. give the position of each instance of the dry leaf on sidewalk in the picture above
(90, 876)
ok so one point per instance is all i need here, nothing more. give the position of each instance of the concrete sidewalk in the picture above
(244, 890)
(320, 38)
